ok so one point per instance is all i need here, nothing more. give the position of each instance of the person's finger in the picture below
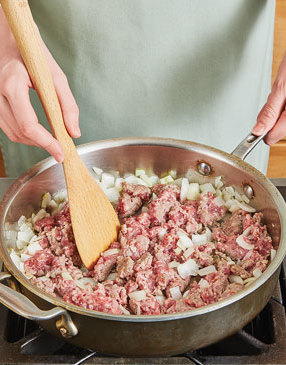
(26, 128)
(271, 111)
(16, 91)
(68, 105)
(45, 140)
(278, 131)
(7, 121)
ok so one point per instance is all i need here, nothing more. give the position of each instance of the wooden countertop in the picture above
(277, 158)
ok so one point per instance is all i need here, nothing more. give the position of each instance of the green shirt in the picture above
(191, 69)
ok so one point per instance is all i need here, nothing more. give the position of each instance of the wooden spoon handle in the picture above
(27, 37)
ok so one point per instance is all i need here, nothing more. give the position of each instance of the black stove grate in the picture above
(263, 341)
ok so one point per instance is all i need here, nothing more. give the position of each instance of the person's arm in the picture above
(18, 119)
(272, 116)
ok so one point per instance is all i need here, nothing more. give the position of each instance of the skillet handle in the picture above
(23, 306)
(247, 145)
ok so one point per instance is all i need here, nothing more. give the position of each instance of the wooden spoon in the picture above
(94, 221)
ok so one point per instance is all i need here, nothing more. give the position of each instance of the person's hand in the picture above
(272, 116)
(18, 119)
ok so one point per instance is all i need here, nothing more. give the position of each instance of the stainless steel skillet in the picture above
(145, 335)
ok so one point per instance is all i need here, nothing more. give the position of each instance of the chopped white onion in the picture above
(139, 172)
(240, 241)
(11, 235)
(160, 299)
(15, 258)
(246, 232)
(234, 207)
(202, 239)
(154, 196)
(229, 203)
(110, 252)
(245, 198)
(193, 191)
(230, 261)
(131, 179)
(166, 180)
(33, 248)
(141, 182)
(97, 170)
(21, 244)
(207, 188)
(272, 254)
(25, 227)
(46, 200)
(188, 268)
(107, 179)
(245, 207)
(66, 275)
(112, 194)
(154, 179)
(138, 295)
(21, 220)
(173, 264)
(178, 250)
(184, 242)
(186, 293)
(218, 201)
(124, 310)
(207, 270)
(179, 244)
(40, 215)
(176, 293)
(53, 204)
(178, 182)
(21, 267)
(237, 196)
(188, 252)
(112, 276)
(84, 283)
(118, 183)
(60, 196)
(257, 272)
(145, 180)
(26, 235)
(229, 190)
(162, 233)
(235, 279)
(204, 283)
(247, 256)
(24, 257)
(209, 234)
(249, 281)
(173, 173)
(184, 189)
(35, 238)
(218, 182)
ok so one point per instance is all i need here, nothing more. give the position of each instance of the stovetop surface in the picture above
(263, 341)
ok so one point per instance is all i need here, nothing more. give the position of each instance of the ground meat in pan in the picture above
(140, 273)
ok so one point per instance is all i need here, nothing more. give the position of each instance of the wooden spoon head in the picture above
(94, 220)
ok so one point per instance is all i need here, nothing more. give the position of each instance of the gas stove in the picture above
(263, 341)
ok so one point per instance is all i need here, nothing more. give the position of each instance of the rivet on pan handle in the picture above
(23, 306)
(247, 145)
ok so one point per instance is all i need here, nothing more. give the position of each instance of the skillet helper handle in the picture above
(247, 145)
(26, 34)
(23, 306)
